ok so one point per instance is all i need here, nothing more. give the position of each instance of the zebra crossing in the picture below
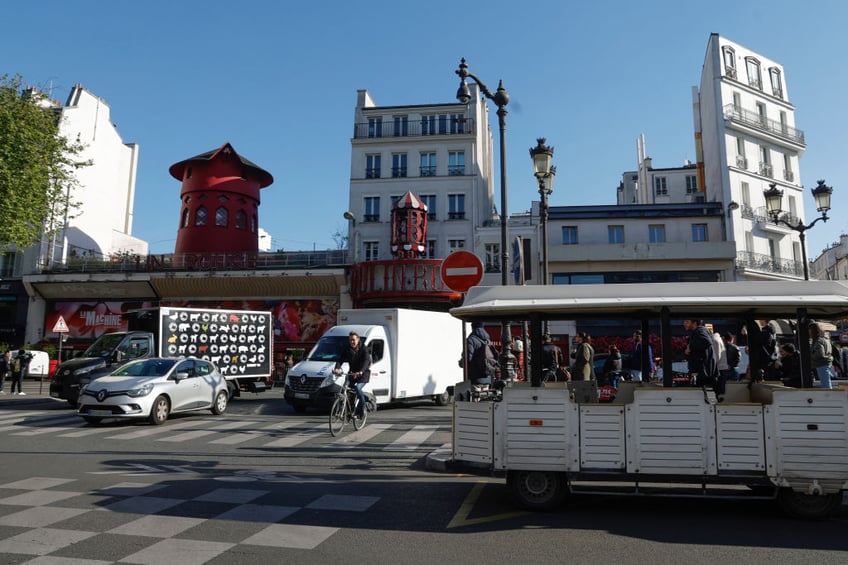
(242, 431)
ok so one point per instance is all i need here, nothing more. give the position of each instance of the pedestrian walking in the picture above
(5, 367)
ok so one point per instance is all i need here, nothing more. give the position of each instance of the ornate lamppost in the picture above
(542, 156)
(774, 197)
(501, 99)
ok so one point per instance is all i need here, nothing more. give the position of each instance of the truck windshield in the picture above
(104, 345)
(329, 348)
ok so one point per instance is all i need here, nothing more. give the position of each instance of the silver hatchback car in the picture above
(154, 388)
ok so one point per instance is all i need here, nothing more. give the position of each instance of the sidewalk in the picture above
(35, 390)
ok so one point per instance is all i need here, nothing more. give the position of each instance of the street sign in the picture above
(60, 327)
(461, 270)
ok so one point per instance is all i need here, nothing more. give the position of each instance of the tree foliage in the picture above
(37, 167)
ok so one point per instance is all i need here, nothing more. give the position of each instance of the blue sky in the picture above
(278, 80)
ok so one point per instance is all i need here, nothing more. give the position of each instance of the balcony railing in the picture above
(761, 216)
(769, 264)
(453, 126)
(756, 121)
(788, 175)
(766, 170)
(205, 262)
(741, 162)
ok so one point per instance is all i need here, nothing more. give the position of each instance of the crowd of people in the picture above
(16, 369)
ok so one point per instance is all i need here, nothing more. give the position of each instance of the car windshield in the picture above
(146, 368)
(329, 348)
(104, 345)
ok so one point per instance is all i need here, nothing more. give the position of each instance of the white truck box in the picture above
(414, 354)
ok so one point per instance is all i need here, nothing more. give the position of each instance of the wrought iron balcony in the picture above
(768, 264)
(788, 175)
(766, 170)
(758, 122)
(413, 128)
(741, 162)
(760, 215)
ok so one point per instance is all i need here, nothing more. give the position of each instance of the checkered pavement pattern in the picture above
(46, 521)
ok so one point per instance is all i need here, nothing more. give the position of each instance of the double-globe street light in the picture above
(542, 156)
(501, 99)
(774, 197)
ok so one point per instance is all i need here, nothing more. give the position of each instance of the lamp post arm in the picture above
(800, 227)
(463, 73)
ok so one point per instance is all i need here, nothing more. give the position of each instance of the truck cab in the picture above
(109, 352)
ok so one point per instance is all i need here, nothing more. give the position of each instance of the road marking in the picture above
(298, 437)
(162, 429)
(247, 435)
(412, 440)
(461, 517)
(39, 431)
(200, 433)
(358, 437)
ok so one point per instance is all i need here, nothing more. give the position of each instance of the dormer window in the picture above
(729, 62)
(755, 79)
(776, 84)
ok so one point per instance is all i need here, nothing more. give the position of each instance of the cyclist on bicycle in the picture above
(359, 360)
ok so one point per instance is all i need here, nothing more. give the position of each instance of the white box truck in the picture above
(414, 355)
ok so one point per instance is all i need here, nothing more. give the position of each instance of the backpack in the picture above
(16, 365)
(487, 358)
(733, 356)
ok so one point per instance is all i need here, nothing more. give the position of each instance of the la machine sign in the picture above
(461, 270)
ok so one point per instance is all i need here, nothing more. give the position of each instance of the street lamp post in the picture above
(352, 238)
(501, 99)
(542, 156)
(821, 194)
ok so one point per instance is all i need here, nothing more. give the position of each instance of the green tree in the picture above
(37, 167)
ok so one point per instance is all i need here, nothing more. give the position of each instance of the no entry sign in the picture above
(461, 270)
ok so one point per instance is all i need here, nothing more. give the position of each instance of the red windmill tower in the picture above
(220, 202)
(409, 227)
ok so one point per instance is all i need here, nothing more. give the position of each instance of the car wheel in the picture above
(220, 405)
(442, 399)
(161, 409)
(94, 420)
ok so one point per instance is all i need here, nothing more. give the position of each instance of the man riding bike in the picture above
(359, 361)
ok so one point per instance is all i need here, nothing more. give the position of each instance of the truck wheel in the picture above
(220, 405)
(233, 388)
(808, 506)
(536, 490)
(442, 399)
(161, 409)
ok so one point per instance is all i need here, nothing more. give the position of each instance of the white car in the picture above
(153, 388)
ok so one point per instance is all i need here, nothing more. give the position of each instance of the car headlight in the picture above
(329, 380)
(143, 390)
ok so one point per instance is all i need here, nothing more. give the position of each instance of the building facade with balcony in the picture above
(746, 137)
(443, 154)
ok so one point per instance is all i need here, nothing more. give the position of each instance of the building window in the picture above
(398, 165)
(375, 127)
(493, 258)
(393, 199)
(784, 126)
(372, 166)
(455, 245)
(754, 78)
(761, 114)
(428, 164)
(456, 206)
(456, 163)
(729, 62)
(401, 124)
(765, 162)
(569, 235)
(430, 201)
(660, 186)
(691, 184)
(184, 223)
(656, 233)
(746, 194)
(372, 250)
(222, 217)
(430, 253)
(788, 175)
(699, 232)
(741, 160)
(428, 125)
(200, 216)
(737, 102)
(776, 86)
(615, 234)
(241, 219)
(372, 209)
(457, 123)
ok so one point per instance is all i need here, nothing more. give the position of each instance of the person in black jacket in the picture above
(700, 355)
(358, 359)
(789, 366)
(5, 367)
(475, 357)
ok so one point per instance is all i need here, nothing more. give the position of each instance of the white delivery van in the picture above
(39, 366)
(414, 355)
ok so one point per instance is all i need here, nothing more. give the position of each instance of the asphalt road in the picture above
(261, 484)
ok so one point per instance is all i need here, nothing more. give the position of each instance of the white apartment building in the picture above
(442, 153)
(745, 128)
(101, 226)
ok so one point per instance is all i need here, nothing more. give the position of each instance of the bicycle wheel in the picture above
(359, 418)
(337, 416)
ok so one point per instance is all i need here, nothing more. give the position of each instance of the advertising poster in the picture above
(90, 320)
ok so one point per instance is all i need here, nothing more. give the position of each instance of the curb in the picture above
(440, 460)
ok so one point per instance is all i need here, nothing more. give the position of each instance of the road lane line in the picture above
(201, 433)
(298, 437)
(247, 435)
(358, 437)
(412, 440)
(162, 429)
